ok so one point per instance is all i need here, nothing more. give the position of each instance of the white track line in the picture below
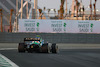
(9, 61)
(7, 48)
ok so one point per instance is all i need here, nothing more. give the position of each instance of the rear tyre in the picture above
(45, 48)
(21, 48)
(54, 48)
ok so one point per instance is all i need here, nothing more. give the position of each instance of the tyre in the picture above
(45, 48)
(21, 48)
(54, 48)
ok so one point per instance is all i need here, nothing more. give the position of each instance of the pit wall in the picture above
(51, 37)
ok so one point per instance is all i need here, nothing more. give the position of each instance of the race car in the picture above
(37, 45)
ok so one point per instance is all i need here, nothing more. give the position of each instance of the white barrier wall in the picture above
(59, 26)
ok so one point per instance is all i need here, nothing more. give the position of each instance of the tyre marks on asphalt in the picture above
(93, 59)
(66, 58)
(77, 59)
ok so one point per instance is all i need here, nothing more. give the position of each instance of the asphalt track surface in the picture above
(66, 58)
(79, 57)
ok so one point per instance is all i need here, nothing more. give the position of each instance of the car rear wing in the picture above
(31, 39)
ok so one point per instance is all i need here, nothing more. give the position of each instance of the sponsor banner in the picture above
(59, 26)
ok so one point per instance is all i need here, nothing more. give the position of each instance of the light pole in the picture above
(95, 9)
(27, 9)
(35, 7)
(72, 9)
(91, 9)
(21, 9)
(16, 15)
(66, 8)
(77, 6)
(16, 7)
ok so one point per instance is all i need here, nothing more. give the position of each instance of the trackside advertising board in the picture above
(59, 26)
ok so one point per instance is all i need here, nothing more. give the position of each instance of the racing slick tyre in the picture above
(21, 48)
(54, 48)
(45, 48)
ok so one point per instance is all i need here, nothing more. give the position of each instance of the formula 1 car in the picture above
(37, 45)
